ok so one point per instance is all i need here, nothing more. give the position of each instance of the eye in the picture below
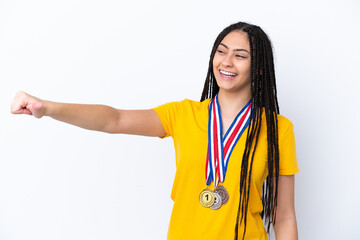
(221, 52)
(239, 56)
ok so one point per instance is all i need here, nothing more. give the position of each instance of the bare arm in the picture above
(285, 226)
(93, 117)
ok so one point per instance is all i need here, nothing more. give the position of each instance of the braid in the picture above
(264, 100)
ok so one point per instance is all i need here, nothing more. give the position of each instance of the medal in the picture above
(220, 148)
(217, 201)
(207, 198)
(223, 193)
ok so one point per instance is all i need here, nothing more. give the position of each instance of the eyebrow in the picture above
(235, 50)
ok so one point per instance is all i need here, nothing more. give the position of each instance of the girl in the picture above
(235, 155)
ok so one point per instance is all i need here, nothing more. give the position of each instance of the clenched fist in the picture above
(24, 103)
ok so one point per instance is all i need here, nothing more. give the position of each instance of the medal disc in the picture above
(221, 190)
(217, 201)
(207, 198)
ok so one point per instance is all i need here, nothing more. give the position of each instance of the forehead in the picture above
(236, 39)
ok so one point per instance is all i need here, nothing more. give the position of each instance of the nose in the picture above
(227, 61)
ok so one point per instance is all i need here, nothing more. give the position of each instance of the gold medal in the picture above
(219, 150)
(207, 198)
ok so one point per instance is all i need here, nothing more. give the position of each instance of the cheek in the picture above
(215, 68)
(247, 70)
(244, 67)
(215, 71)
(247, 74)
(216, 61)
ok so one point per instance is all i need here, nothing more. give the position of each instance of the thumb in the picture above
(37, 105)
(37, 109)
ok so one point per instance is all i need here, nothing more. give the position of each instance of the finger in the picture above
(22, 111)
(17, 106)
(37, 105)
(26, 111)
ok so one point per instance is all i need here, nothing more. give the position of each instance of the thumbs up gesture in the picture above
(24, 103)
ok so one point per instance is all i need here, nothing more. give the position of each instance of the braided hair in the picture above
(263, 98)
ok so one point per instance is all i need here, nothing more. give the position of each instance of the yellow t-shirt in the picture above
(187, 123)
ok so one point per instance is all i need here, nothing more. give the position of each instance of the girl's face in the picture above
(231, 63)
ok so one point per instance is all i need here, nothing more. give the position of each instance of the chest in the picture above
(192, 147)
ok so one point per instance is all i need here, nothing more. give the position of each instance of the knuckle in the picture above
(19, 93)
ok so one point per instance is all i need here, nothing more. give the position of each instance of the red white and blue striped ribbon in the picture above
(219, 147)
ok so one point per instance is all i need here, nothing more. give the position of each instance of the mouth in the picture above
(227, 75)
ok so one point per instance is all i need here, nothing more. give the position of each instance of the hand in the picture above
(24, 103)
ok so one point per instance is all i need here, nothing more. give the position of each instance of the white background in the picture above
(58, 181)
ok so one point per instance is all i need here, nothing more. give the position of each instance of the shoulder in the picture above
(184, 105)
(177, 114)
(196, 105)
(284, 123)
(285, 128)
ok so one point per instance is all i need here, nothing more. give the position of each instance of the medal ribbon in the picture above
(219, 147)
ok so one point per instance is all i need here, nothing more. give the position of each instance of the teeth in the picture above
(227, 73)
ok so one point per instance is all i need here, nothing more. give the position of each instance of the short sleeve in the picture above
(167, 113)
(287, 152)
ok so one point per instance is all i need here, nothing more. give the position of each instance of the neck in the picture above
(232, 102)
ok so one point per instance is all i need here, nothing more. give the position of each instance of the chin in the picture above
(227, 85)
(231, 88)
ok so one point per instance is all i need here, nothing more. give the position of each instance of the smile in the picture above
(227, 74)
